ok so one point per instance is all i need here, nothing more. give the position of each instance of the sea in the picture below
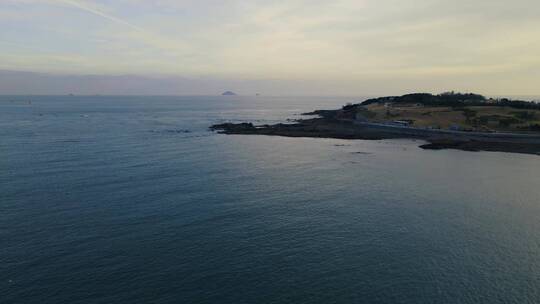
(132, 199)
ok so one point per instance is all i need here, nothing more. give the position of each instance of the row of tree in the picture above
(453, 99)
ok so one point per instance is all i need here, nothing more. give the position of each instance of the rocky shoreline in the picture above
(327, 126)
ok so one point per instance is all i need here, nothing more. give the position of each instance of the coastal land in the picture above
(451, 120)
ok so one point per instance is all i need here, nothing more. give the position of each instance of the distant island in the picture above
(228, 93)
(468, 121)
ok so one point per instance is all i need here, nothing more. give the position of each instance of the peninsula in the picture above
(450, 120)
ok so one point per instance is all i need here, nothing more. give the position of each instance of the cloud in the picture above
(82, 6)
(298, 40)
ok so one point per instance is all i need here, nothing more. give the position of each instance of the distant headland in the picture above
(449, 120)
(228, 93)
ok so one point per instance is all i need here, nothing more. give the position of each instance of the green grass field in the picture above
(479, 118)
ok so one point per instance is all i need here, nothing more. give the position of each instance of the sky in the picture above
(338, 47)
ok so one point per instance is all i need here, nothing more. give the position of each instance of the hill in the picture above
(452, 99)
(468, 112)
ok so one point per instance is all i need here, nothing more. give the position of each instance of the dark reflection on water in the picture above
(132, 200)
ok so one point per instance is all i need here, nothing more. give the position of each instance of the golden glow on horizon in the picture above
(488, 46)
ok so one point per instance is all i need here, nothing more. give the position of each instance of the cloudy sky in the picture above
(341, 47)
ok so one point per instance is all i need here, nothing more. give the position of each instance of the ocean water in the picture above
(133, 200)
